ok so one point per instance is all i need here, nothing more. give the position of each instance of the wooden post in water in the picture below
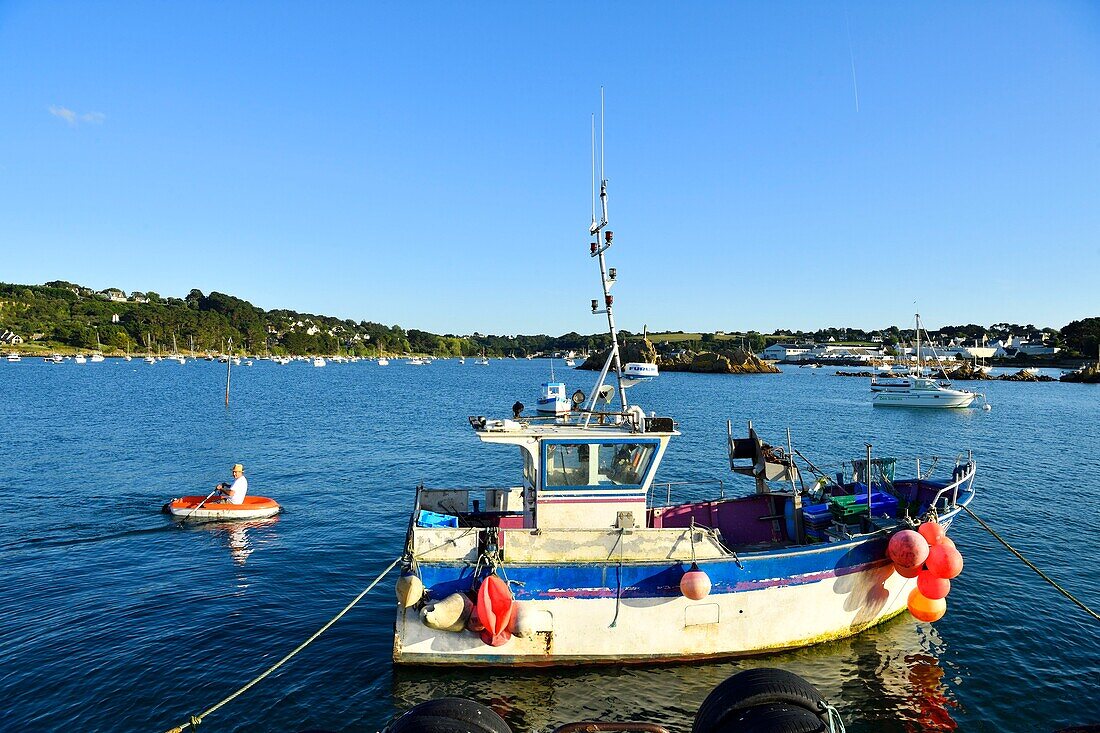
(228, 370)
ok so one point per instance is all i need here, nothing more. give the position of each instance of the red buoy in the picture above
(695, 584)
(907, 549)
(933, 586)
(945, 561)
(496, 610)
(932, 532)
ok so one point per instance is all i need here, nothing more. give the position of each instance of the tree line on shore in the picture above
(66, 314)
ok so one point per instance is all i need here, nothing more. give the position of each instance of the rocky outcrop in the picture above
(1086, 375)
(1026, 376)
(967, 371)
(640, 351)
(735, 361)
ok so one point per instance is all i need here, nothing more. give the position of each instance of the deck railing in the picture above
(667, 486)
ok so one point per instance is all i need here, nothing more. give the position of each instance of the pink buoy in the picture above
(945, 561)
(906, 572)
(695, 584)
(908, 549)
(933, 586)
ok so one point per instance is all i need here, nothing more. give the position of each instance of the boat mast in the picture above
(917, 323)
(607, 277)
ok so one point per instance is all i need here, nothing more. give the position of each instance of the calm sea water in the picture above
(116, 620)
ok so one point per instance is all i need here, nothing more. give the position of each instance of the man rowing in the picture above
(234, 493)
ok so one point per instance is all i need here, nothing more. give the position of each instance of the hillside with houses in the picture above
(64, 315)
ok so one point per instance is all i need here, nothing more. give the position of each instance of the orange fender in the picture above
(496, 610)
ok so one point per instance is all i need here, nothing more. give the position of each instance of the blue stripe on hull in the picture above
(798, 566)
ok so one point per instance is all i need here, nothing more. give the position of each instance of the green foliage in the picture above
(1082, 336)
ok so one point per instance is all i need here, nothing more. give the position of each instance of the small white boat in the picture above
(482, 362)
(416, 361)
(193, 507)
(383, 361)
(54, 359)
(318, 362)
(150, 360)
(96, 358)
(552, 400)
(14, 358)
(571, 362)
(80, 359)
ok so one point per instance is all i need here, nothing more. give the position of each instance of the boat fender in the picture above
(447, 715)
(695, 583)
(496, 609)
(409, 589)
(474, 623)
(762, 687)
(449, 614)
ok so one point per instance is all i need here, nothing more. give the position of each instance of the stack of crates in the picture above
(816, 518)
(848, 509)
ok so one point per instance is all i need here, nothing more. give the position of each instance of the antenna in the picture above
(603, 123)
(593, 227)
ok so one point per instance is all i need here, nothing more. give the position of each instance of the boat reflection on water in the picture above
(241, 537)
(889, 678)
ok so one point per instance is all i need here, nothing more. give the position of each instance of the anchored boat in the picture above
(916, 390)
(195, 507)
(584, 559)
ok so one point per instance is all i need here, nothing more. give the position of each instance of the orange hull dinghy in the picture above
(254, 507)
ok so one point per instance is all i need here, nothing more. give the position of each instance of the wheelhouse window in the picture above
(624, 463)
(567, 464)
(597, 464)
(528, 466)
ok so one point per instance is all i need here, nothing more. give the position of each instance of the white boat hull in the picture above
(593, 631)
(943, 399)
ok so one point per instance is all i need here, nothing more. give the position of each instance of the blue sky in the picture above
(428, 164)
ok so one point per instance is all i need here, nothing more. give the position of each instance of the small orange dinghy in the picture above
(193, 507)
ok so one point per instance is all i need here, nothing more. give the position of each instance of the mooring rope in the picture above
(193, 723)
(1027, 562)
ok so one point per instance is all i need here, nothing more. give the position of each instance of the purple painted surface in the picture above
(739, 520)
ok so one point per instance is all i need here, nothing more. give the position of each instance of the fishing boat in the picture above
(80, 359)
(12, 358)
(552, 399)
(917, 390)
(571, 362)
(584, 558)
(483, 361)
(416, 361)
(196, 507)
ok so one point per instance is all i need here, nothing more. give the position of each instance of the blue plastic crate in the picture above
(434, 519)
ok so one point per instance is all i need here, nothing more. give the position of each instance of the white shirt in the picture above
(238, 490)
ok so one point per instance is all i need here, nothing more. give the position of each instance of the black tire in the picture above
(449, 715)
(774, 717)
(750, 688)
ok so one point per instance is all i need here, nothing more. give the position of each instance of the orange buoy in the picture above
(695, 584)
(906, 572)
(926, 609)
(946, 542)
(945, 561)
(932, 532)
(496, 610)
(907, 549)
(932, 586)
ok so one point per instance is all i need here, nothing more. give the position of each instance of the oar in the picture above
(199, 505)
